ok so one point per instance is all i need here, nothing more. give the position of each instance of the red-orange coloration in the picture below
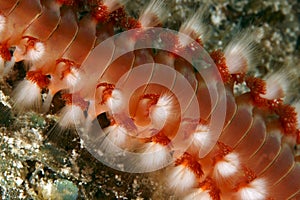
(4, 52)
(223, 151)
(158, 138)
(73, 99)
(210, 185)
(189, 161)
(37, 77)
(219, 59)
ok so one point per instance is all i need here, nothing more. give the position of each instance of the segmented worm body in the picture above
(170, 104)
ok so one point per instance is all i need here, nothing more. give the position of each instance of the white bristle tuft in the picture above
(257, 190)
(116, 101)
(154, 14)
(160, 112)
(32, 54)
(68, 82)
(6, 66)
(113, 5)
(2, 23)
(9, 66)
(277, 85)
(115, 140)
(73, 78)
(35, 53)
(226, 168)
(201, 138)
(194, 27)
(153, 156)
(115, 135)
(180, 179)
(70, 116)
(198, 194)
(27, 95)
(239, 53)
